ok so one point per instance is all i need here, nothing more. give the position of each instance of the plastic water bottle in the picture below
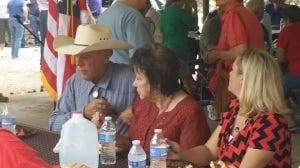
(136, 156)
(79, 142)
(9, 123)
(107, 140)
(158, 150)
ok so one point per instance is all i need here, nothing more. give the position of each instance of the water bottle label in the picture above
(8, 121)
(107, 137)
(158, 151)
(140, 164)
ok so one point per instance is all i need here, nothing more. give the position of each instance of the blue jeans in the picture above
(35, 26)
(17, 32)
(290, 82)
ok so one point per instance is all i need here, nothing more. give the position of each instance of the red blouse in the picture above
(15, 153)
(264, 131)
(289, 40)
(185, 124)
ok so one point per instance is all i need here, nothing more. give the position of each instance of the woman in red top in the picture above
(287, 50)
(253, 131)
(240, 29)
(162, 103)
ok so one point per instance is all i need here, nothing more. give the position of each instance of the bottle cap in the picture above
(107, 118)
(136, 142)
(77, 112)
(157, 130)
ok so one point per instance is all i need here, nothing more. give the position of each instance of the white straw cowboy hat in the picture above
(89, 37)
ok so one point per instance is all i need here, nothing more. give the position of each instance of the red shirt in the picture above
(265, 131)
(289, 40)
(239, 26)
(15, 153)
(185, 124)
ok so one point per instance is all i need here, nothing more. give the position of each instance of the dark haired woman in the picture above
(162, 103)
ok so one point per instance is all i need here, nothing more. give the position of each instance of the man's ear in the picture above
(108, 54)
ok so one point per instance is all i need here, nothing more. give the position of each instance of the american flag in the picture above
(63, 19)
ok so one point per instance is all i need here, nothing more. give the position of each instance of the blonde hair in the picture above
(262, 88)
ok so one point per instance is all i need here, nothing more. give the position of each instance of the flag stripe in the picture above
(57, 68)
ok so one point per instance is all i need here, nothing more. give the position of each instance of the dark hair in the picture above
(160, 66)
(291, 13)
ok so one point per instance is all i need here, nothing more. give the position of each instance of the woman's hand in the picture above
(174, 152)
(126, 116)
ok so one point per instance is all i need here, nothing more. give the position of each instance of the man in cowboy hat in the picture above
(98, 85)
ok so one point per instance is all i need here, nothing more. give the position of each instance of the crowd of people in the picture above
(145, 85)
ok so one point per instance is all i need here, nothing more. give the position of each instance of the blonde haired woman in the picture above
(253, 131)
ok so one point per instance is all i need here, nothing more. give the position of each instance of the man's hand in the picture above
(97, 105)
(211, 57)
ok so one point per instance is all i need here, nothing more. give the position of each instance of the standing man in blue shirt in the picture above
(34, 18)
(16, 8)
(98, 85)
(127, 24)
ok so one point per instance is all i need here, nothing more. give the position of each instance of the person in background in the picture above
(287, 51)
(34, 18)
(4, 27)
(127, 24)
(93, 8)
(258, 7)
(98, 85)
(245, 135)
(210, 33)
(3, 98)
(240, 30)
(179, 17)
(274, 9)
(162, 103)
(153, 17)
(19, 9)
(266, 21)
(43, 7)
